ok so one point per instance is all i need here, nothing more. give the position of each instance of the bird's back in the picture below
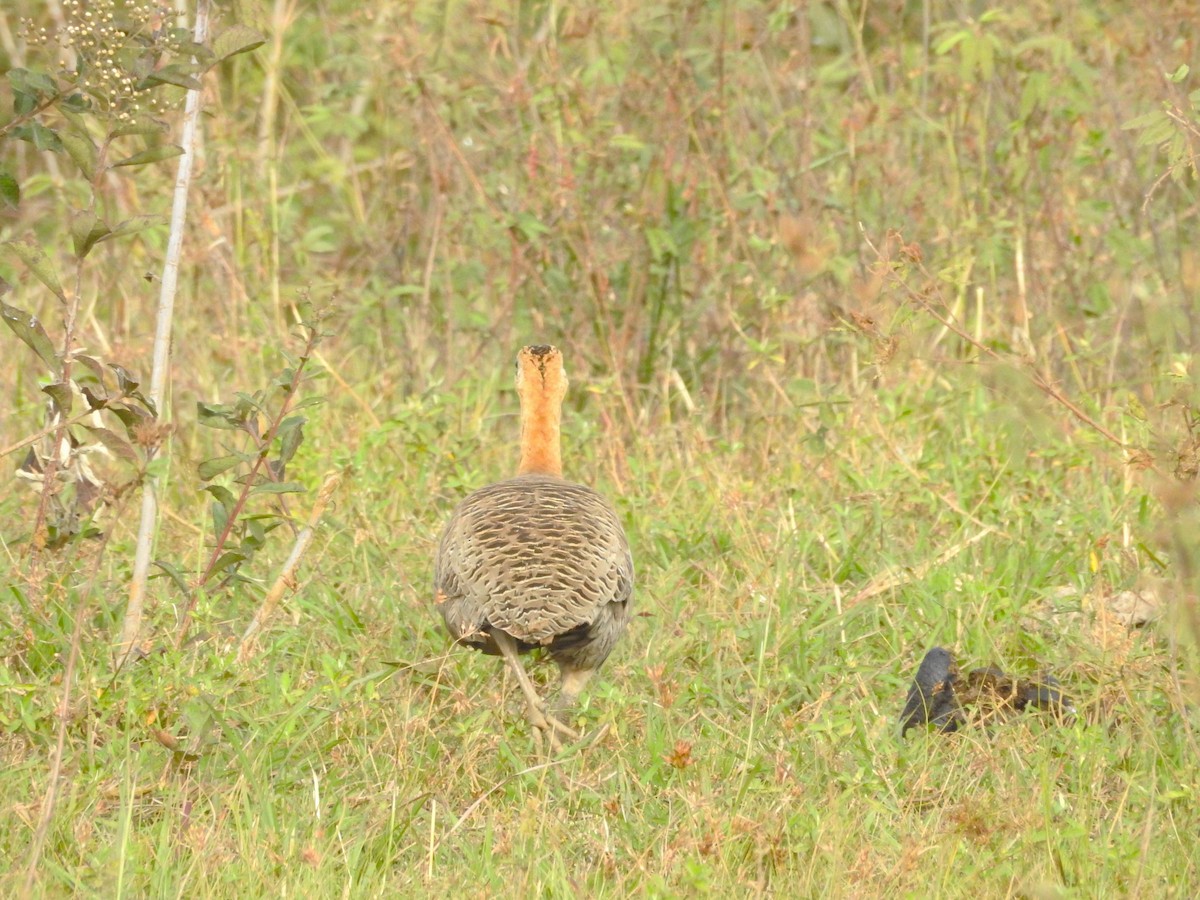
(534, 556)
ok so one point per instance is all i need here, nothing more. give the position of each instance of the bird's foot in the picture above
(552, 728)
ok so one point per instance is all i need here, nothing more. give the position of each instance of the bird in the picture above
(940, 696)
(536, 561)
(931, 699)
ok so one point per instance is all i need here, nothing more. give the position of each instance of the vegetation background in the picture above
(881, 321)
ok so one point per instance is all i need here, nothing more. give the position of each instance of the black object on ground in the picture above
(945, 699)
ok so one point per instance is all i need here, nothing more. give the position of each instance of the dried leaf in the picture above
(131, 417)
(93, 366)
(114, 442)
(126, 382)
(95, 399)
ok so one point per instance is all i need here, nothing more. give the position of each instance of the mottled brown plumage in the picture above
(537, 561)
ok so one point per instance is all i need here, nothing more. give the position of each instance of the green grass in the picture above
(818, 479)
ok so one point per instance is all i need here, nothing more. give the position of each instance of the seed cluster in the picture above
(108, 47)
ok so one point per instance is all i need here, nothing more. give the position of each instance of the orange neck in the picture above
(541, 439)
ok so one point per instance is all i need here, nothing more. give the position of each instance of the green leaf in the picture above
(1034, 94)
(176, 74)
(24, 103)
(76, 103)
(30, 90)
(175, 575)
(221, 494)
(626, 142)
(60, 393)
(284, 379)
(256, 534)
(145, 126)
(40, 136)
(229, 558)
(114, 442)
(211, 468)
(82, 151)
(217, 415)
(150, 155)
(33, 257)
(236, 39)
(1177, 152)
(134, 225)
(220, 516)
(529, 226)
(76, 120)
(279, 487)
(291, 436)
(30, 330)
(10, 190)
(1144, 120)
(33, 82)
(248, 403)
(203, 56)
(987, 58)
(662, 244)
(86, 230)
(949, 43)
(1158, 132)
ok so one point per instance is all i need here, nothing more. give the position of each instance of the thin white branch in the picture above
(162, 347)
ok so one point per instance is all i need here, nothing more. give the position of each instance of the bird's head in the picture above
(541, 376)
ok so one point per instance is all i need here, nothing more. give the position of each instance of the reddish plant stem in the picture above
(264, 446)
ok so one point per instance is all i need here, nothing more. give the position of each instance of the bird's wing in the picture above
(534, 556)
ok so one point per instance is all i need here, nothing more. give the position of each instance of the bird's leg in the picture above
(538, 716)
(573, 682)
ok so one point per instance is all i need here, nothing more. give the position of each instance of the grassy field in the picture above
(881, 333)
